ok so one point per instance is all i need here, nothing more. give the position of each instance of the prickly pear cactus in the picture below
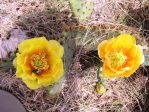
(81, 9)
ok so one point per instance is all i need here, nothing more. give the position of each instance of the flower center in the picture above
(117, 59)
(39, 62)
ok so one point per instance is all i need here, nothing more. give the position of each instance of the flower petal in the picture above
(57, 47)
(101, 49)
(124, 41)
(107, 72)
(137, 62)
(132, 52)
(52, 76)
(33, 43)
(53, 58)
(31, 84)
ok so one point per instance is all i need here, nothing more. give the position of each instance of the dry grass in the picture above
(78, 95)
(11, 10)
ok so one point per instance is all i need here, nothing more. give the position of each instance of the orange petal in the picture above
(101, 49)
(137, 62)
(132, 52)
(124, 41)
(107, 72)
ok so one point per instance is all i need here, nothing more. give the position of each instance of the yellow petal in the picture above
(19, 71)
(107, 72)
(29, 76)
(110, 43)
(125, 41)
(137, 62)
(52, 76)
(33, 43)
(60, 72)
(101, 49)
(31, 84)
(53, 58)
(15, 62)
(55, 45)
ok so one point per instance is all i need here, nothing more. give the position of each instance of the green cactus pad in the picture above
(81, 9)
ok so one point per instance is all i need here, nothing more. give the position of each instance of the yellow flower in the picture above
(39, 62)
(121, 56)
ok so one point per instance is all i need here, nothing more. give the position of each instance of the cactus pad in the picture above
(82, 9)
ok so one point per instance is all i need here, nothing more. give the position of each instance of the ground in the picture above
(21, 19)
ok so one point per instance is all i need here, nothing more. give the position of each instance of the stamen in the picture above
(117, 59)
(39, 61)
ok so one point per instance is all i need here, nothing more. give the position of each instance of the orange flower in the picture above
(121, 56)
